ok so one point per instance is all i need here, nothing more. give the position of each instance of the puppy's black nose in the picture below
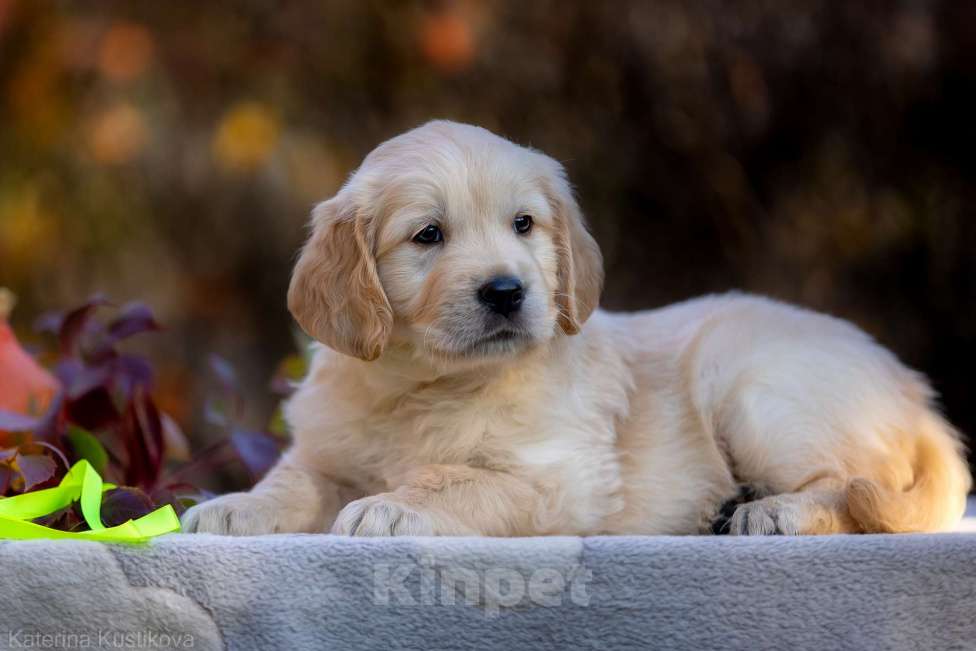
(502, 294)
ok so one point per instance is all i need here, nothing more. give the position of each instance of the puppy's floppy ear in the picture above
(580, 270)
(335, 292)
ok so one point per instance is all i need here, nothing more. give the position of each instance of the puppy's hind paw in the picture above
(766, 517)
(722, 522)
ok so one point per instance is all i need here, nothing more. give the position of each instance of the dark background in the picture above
(819, 152)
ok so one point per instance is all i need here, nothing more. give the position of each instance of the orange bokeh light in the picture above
(126, 52)
(447, 41)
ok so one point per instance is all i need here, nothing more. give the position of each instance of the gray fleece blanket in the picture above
(327, 592)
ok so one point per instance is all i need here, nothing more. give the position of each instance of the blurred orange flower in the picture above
(25, 387)
(246, 136)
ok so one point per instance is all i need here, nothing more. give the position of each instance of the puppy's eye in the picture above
(522, 224)
(429, 235)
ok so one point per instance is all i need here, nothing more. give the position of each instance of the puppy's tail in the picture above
(935, 501)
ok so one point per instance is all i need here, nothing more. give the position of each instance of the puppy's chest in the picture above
(511, 435)
(456, 432)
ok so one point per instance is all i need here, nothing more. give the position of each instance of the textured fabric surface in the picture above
(324, 592)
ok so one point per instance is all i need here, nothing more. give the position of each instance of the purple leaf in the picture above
(89, 379)
(35, 469)
(123, 504)
(135, 318)
(75, 323)
(164, 496)
(51, 425)
(131, 372)
(49, 322)
(67, 519)
(45, 428)
(58, 452)
(257, 451)
(11, 422)
(67, 370)
(224, 372)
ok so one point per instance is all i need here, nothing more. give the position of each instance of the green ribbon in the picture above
(84, 484)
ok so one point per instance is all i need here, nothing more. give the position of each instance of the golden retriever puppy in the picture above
(466, 384)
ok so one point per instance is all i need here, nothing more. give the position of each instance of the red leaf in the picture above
(35, 469)
(94, 410)
(6, 474)
(152, 430)
(137, 467)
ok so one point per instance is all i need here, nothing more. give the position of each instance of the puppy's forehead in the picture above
(452, 172)
(452, 153)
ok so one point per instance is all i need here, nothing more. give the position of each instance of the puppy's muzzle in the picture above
(503, 295)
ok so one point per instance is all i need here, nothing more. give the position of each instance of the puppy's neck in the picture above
(401, 369)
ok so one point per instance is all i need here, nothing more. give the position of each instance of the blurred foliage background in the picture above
(820, 152)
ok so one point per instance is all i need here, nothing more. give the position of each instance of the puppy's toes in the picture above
(236, 514)
(381, 515)
(723, 519)
(765, 517)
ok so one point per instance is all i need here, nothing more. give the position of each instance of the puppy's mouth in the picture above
(500, 340)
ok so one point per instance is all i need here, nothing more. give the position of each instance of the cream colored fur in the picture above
(410, 423)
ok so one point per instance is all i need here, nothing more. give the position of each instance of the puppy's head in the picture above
(451, 240)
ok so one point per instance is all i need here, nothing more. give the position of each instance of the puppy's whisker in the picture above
(425, 342)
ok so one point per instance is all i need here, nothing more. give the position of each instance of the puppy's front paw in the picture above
(382, 515)
(236, 514)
